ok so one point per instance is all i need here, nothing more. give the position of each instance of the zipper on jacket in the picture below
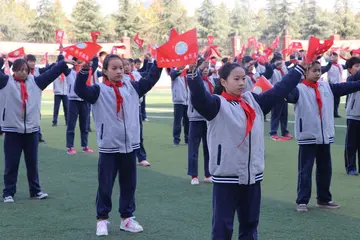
(3, 116)
(322, 130)
(102, 131)
(249, 158)
(25, 118)
(125, 130)
(69, 88)
(352, 105)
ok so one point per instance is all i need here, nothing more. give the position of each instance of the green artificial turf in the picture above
(168, 207)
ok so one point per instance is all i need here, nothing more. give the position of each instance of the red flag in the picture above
(345, 49)
(151, 50)
(356, 51)
(268, 51)
(44, 60)
(120, 47)
(138, 41)
(241, 55)
(83, 51)
(316, 48)
(252, 42)
(94, 36)
(59, 36)
(211, 49)
(261, 85)
(275, 43)
(17, 53)
(179, 51)
(173, 33)
(295, 46)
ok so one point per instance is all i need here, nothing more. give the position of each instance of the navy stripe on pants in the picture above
(279, 115)
(14, 144)
(245, 200)
(180, 114)
(352, 145)
(141, 152)
(57, 100)
(77, 109)
(110, 165)
(307, 155)
(197, 132)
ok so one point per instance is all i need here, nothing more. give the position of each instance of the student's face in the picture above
(31, 64)
(235, 83)
(205, 72)
(22, 73)
(137, 65)
(114, 70)
(313, 74)
(355, 68)
(127, 67)
(334, 58)
(279, 63)
(250, 66)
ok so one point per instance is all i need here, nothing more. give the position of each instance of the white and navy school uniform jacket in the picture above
(116, 132)
(192, 114)
(335, 74)
(353, 101)
(60, 87)
(14, 118)
(179, 88)
(70, 81)
(229, 162)
(310, 128)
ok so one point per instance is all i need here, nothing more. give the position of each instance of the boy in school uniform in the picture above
(279, 114)
(352, 141)
(60, 95)
(249, 65)
(335, 76)
(179, 92)
(314, 131)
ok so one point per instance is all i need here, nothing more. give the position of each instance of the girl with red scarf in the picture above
(235, 120)
(314, 131)
(198, 132)
(115, 106)
(21, 93)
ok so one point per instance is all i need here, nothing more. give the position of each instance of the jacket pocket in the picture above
(102, 131)
(3, 115)
(300, 125)
(69, 88)
(352, 104)
(219, 155)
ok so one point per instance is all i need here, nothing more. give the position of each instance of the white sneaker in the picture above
(130, 225)
(195, 181)
(208, 180)
(40, 195)
(8, 199)
(101, 228)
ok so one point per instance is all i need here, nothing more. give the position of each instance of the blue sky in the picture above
(109, 6)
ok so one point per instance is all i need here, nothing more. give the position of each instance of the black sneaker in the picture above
(54, 124)
(327, 205)
(42, 141)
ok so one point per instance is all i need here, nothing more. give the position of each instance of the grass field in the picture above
(168, 207)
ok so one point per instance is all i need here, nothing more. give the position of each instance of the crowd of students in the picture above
(214, 105)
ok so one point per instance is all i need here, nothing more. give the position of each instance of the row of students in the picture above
(21, 101)
(115, 106)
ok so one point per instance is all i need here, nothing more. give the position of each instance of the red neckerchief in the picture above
(249, 112)
(251, 75)
(24, 93)
(294, 61)
(119, 98)
(315, 86)
(131, 76)
(32, 71)
(338, 66)
(207, 80)
(62, 77)
(281, 71)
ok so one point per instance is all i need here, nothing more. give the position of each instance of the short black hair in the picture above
(131, 60)
(247, 59)
(213, 57)
(351, 52)
(30, 57)
(225, 60)
(102, 53)
(334, 54)
(351, 62)
(137, 60)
